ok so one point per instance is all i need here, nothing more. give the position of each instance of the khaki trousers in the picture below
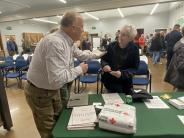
(46, 106)
(65, 93)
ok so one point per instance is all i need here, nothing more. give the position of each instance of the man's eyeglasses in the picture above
(79, 27)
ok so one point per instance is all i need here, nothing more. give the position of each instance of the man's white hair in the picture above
(130, 31)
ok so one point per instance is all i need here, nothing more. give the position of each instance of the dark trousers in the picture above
(169, 57)
(120, 85)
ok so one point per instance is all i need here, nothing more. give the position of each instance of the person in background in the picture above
(85, 44)
(105, 41)
(156, 46)
(12, 46)
(26, 46)
(162, 38)
(147, 44)
(142, 43)
(52, 69)
(120, 61)
(117, 35)
(175, 71)
(171, 39)
(109, 40)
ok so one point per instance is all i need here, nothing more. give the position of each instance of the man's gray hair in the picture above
(69, 19)
(131, 32)
(176, 27)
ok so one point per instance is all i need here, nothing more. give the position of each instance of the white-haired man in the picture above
(120, 61)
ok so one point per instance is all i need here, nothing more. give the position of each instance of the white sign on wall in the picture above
(96, 42)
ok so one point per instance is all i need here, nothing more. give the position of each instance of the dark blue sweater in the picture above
(124, 59)
(121, 58)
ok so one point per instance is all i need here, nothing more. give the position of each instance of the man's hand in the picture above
(117, 74)
(107, 68)
(84, 67)
(98, 53)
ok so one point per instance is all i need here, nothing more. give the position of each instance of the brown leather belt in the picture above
(30, 83)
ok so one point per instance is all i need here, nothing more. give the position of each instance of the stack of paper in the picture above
(178, 103)
(112, 98)
(156, 103)
(181, 98)
(83, 117)
(119, 118)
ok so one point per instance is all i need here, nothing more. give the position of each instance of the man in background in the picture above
(171, 39)
(12, 47)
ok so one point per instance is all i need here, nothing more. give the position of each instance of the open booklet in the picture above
(156, 103)
(112, 98)
(178, 103)
(83, 117)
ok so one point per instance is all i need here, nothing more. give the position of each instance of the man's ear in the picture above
(73, 28)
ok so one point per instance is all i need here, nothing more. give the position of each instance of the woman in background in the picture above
(156, 46)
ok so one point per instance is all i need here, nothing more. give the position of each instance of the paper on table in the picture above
(177, 103)
(181, 117)
(83, 114)
(156, 103)
(181, 98)
(83, 117)
(112, 98)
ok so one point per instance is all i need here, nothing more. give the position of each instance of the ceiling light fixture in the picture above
(43, 20)
(96, 18)
(154, 8)
(59, 16)
(63, 1)
(120, 12)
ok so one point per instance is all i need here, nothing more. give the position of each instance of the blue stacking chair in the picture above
(8, 65)
(2, 65)
(19, 64)
(23, 74)
(92, 74)
(142, 76)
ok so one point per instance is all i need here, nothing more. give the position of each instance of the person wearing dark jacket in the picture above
(12, 47)
(120, 62)
(86, 45)
(175, 72)
(171, 39)
(156, 47)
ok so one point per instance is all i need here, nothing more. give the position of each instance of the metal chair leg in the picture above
(97, 86)
(6, 82)
(78, 86)
(101, 88)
